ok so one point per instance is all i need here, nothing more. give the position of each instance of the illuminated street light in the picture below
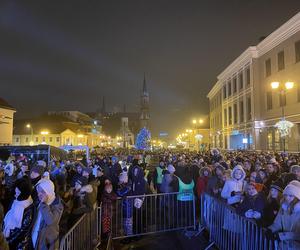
(44, 133)
(289, 85)
(194, 121)
(275, 85)
(28, 126)
(200, 121)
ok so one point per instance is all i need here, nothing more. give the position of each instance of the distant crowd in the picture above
(40, 202)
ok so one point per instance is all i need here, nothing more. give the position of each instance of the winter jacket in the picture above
(288, 226)
(127, 203)
(271, 210)
(48, 237)
(256, 203)
(19, 238)
(233, 186)
(138, 182)
(87, 199)
(201, 185)
(166, 186)
(214, 182)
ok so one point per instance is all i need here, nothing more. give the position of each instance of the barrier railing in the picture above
(228, 230)
(85, 233)
(147, 214)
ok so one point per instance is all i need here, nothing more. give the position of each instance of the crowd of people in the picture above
(41, 202)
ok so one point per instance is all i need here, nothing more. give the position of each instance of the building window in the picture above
(224, 92)
(235, 117)
(269, 100)
(230, 115)
(234, 85)
(249, 108)
(43, 139)
(50, 139)
(57, 139)
(241, 80)
(282, 100)
(280, 59)
(225, 117)
(26, 139)
(268, 67)
(36, 139)
(241, 111)
(297, 51)
(17, 139)
(298, 93)
(229, 88)
(248, 76)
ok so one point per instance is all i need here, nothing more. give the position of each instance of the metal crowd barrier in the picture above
(85, 234)
(157, 213)
(228, 230)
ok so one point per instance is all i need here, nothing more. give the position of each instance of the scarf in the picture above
(14, 217)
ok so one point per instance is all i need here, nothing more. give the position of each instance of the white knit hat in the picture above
(293, 188)
(171, 169)
(47, 186)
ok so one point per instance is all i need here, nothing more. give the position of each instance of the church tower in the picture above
(145, 114)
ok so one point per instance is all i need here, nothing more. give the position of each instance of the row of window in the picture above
(236, 82)
(281, 60)
(37, 139)
(232, 111)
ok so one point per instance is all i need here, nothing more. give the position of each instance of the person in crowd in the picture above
(36, 174)
(18, 220)
(3, 243)
(252, 206)
(23, 172)
(204, 175)
(158, 175)
(45, 232)
(168, 178)
(273, 202)
(234, 188)
(216, 181)
(273, 172)
(114, 171)
(287, 221)
(108, 197)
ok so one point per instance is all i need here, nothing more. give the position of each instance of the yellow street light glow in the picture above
(187, 130)
(80, 136)
(200, 121)
(194, 121)
(28, 126)
(44, 133)
(289, 85)
(275, 85)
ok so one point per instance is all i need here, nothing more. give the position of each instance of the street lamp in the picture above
(31, 131)
(282, 89)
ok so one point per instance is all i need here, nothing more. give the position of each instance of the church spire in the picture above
(144, 85)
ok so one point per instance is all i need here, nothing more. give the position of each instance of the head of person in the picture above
(79, 169)
(251, 189)
(219, 169)
(123, 178)
(23, 189)
(114, 160)
(80, 182)
(270, 168)
(262, 174)
(238, 173)
(291, 195)
(247, 165)
(205, 172)
(86, 172)
(171, 169)
(36, 173)
(161, 163)
(45, 190)
(253, 176)
(295, 169)
(108, 188)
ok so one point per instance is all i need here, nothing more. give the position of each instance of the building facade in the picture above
(6, 122)
(244, 108)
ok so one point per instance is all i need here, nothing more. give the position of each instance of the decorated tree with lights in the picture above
(143, 139)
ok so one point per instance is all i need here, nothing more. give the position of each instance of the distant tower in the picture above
(145, 114)
(103, 108)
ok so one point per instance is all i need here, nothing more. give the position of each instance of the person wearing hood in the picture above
(167, 179)
(36, 174)
(115, 170)
(45, 232)
(234, 188)
(287, 221)
(204, 175)
(19, 219)
(107, 199)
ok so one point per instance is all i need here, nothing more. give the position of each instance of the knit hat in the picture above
(87, 169)
(278, 185)
(25, 188)
(37, 169)
(123, 177)
(47, 186)
(82, 181)
(171, 169)
(295, 168)
(293, 189)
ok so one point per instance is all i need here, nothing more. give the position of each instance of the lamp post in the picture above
(282, 90)
(197, 124)
(31, 132)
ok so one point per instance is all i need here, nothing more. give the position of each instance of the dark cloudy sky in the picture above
(66, 55)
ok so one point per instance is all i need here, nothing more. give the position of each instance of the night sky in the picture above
(66, 55)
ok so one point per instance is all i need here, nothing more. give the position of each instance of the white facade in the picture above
(6, 123)
(244, 108)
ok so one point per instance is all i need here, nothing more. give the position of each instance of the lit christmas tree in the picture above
(143, 139)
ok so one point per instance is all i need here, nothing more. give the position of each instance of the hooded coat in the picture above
(233, 186)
